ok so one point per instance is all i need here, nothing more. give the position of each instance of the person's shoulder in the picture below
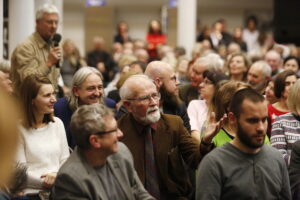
(73, 165)
(168, 118)
(271, 152)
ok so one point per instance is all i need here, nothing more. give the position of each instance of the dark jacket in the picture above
(173, 146)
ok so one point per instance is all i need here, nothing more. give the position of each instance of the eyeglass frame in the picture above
(155, 96)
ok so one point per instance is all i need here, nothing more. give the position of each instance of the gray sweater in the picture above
(228, 173)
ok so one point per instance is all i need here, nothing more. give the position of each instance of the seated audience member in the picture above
(87, 88)
(5, 81)
(100, 167)
(294, 171)
(198, 110)
(43, 144)
(238, 66)
(269, 92)
(282, 85)
(211, 62)
(14, 189)
(259, 75)
(71, 63)
(292, 63)
(8, 135)
(101, 60)
(286, 128)
(244, 168)
(237, 38)
(221, 101)
(158, 159)
(273, 58)
(251, 35)
(164, 77)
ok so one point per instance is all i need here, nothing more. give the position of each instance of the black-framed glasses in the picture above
(106, 132)
(146, 99)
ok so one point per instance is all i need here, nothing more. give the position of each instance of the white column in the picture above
(21, 21)
(186, 29)
(1, 29)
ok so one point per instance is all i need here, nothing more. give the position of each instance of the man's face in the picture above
(196, 75)
(252, 124)
(90, 91)
(170, 83)
(47, 25)
(109, 141)
(144, 108)
(274, 61)
(255, 75)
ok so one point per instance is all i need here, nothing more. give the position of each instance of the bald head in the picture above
(158, 69)
(273, 58)
(163, 75)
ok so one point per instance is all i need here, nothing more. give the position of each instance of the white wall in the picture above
(139, 15)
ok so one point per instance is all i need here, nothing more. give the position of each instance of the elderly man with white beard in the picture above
(159, 143)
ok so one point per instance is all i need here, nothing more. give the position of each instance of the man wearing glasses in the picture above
(37, 54)
(165, 80)
(100, 167)
(158, 142)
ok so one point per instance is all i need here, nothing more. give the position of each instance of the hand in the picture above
(48, 179)
(213, 128)
(54, 56)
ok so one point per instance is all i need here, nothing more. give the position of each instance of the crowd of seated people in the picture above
(172, 110)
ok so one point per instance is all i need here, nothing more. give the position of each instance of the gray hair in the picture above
(212, 61)
(128, 89)
(78, 79)
(46, 8)
(5, 66)
(265, 68)
(88, 120)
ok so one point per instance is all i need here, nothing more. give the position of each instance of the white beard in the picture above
(153, 117)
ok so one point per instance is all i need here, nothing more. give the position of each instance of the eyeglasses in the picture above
(146, 99)
(106, 132)
(50, 22)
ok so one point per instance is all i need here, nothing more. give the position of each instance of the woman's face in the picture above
(207, 89)
(237, 66)
(155, 26)
(289, 82)
(270, 96)
(292, 65)
(44, 101)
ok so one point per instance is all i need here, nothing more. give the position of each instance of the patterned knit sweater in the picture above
(285, 132)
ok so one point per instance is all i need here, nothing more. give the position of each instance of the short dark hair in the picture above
(29, 91)
(292, 58)
(279, 83)
(238, 98)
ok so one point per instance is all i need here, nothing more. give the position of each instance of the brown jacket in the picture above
(30, 57)
(172, 143)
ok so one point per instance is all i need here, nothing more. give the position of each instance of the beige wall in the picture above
(138, 16)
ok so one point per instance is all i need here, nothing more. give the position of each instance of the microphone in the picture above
(55, 41)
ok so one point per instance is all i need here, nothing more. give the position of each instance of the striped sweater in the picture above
(285, 132)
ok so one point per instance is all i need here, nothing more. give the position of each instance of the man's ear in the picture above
(127, 105)
(94, 141)
(231, 118)
(158, 83)
(75, 91)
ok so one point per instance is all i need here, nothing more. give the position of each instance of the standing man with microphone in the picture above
(40, 52)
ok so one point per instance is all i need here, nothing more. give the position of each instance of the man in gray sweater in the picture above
(244, 168)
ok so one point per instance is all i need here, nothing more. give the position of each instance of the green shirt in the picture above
(222, 138)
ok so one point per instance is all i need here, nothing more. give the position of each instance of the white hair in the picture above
(46, 8)
(212, 61)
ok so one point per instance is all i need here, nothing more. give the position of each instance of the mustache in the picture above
(150, 109)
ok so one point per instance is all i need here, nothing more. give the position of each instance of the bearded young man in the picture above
(244, 168)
